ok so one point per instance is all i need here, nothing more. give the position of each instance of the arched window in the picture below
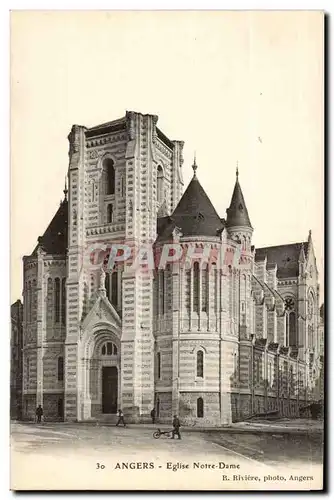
(107, 286)
(109, 349)
(205, 288)
(196, 287)
(158, 365)
(60, 368)
(200, 408)
(215, 285)
(114, 288)
(109, 170)
(110, 213)
(187, 289)
(57, 300)
(292, 336)
(200, 364)
(63, 301)
(160, 184)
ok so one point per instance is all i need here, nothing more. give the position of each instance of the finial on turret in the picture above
(65, 189)
(194, 165)
(237, 170)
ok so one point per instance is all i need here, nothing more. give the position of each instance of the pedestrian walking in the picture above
(120, 418)
(39, 414)
(176, 427)
(153, 415)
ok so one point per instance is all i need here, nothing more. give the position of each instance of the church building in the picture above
(211, 343)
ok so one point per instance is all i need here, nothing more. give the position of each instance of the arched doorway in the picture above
(101, 375)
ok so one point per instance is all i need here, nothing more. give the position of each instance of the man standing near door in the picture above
(120, 418)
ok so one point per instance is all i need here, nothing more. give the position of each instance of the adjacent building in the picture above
(16, 357)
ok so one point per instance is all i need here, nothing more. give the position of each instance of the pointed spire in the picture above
(194, 166)
(301, 258)
(237, 214)
(65, 190)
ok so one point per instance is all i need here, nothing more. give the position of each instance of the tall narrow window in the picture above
(107, 286)
(159, 365)
(63, 301)
(200, 364)
(57, 300)
(108, 167)
(160, 184)
(161, 291)
(200, 408)
(114, 288)
(110, 213)
(187, 289)
(205, 288)
(122, 186)
(60, 368)
(215, 285)
(196, 287)
(60, 408)
(29, 302)
(292, 330)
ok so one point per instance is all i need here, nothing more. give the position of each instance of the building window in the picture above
(28, 370)
(114, 288)
(205, 288)
(109, 213)
(291, 329)
(109, 174)
(109, 349)
(161, 292)
(215, 285)
(159, 365)
(63, 301)
(122, 186)
(60, 368)
(200, 408)
(57, 300)
(200, 364)
(60, 408)
(160, 184)
(196, 287)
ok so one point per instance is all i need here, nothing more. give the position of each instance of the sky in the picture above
(236, 86)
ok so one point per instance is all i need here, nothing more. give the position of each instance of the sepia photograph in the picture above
(167, 250)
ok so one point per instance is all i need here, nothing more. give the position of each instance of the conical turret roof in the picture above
(194, 215)
(237, 214)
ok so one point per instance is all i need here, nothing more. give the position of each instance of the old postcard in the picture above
(167, 318)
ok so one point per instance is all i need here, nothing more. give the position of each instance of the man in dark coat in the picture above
(176, 427)
(120, 418)
(39, 414)
(153, 415)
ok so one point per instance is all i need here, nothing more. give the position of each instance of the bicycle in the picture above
(159, 432)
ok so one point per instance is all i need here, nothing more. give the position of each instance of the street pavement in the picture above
(57, 447)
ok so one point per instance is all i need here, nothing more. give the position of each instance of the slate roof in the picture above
(54, 240)
(237, 214)
(194, 215)
(285, 256)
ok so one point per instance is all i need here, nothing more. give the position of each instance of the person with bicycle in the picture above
(176, 427)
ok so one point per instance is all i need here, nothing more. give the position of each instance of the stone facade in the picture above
(213, 344)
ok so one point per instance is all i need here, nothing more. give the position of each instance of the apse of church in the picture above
(211, 337)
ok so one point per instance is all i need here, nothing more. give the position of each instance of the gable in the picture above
(102, 312)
